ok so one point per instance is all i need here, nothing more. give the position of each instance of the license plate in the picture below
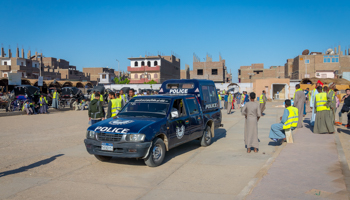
(107, 147)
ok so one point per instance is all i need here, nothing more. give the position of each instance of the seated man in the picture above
(27, 108)
(83, 104)
(35, 107)
(289, 120)
(76, 105)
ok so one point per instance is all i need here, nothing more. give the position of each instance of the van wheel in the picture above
(103, 158)
(206, 138)
(156, 154)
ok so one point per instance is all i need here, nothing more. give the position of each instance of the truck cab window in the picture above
(179, 106)
(192, 106)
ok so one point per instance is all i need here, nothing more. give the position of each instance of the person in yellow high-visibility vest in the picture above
(289, 120)
(43, 104)
(132, 94)
(323, 121)
(262, 101)
(55, 99)
(123, 97)
(92, 95)
(114, 105)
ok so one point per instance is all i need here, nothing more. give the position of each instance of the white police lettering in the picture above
(112, 130)
(213, 105)
(178, 91)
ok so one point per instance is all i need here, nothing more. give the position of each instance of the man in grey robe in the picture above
(323, 121)
(263, 102)
(299, 100)
(252, 113)
(331, 95)
(312, 102)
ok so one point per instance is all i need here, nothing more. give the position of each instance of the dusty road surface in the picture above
(44, 157)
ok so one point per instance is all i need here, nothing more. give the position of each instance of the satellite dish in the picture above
(329, 51)
(305, 52)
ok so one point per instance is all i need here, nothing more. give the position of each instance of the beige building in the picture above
(211, 70)
(94, 72)
(248, 74)
(317, 63)
(157, 68)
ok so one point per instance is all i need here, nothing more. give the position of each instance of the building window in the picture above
(142, 63)
(5, 63)
(328, 59)
(22, 63)
(36, 65)
(155, 63)
(136, 63)
(214, 71)
(5, 75)
(199, 71)
(148, 63)
(239, 72)
(155, 75)
(70, 72)
(103, 76)
(136, 76)
(307, 61)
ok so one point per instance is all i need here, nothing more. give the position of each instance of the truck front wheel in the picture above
(103, 158)
(206, 138)
(156, 154)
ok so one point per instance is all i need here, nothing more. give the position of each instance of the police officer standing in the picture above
(55, 98)
(114, 105)
(131, 94)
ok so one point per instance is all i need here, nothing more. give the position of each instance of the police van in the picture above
(148, 126)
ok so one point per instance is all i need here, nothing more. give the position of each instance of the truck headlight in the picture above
(90, 134)
(135, 137)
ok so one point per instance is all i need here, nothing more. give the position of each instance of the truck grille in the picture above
(109, 137)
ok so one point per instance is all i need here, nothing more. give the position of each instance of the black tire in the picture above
(206, 137)
(156, 153)
(103, 158)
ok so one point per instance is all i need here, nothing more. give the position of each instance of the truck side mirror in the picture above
(174, 114)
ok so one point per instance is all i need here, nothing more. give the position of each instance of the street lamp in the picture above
(118, 68)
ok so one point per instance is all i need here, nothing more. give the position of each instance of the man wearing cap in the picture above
(299, 101)
(312, 102)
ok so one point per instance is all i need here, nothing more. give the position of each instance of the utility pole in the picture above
(118, 68)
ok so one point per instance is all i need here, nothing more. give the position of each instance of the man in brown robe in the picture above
(299, 101)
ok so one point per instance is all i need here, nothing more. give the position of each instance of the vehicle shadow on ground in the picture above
(346, 131)
(31, 166)
(175, 152)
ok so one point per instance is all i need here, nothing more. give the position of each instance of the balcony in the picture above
(142, 80)
(5, 67)
(144, 69)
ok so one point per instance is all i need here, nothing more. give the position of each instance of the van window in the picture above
(192, 106)
(172, 86)
(180, 86)
(209, 94)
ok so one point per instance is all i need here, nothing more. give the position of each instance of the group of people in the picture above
(116, 101)
(36, 108)
(323, 102)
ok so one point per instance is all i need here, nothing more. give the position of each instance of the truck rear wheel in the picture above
(156, 154)
(206, 138)
(103, 158)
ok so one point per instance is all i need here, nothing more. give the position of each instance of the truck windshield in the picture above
(142, 107)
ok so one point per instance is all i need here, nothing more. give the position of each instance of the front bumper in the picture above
(121, 150)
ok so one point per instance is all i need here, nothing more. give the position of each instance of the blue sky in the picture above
(96, 33)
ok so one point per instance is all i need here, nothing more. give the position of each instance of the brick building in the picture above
(95, 72)
(247, 74)
(157, 68)
(185, 73)
(318, 64)
(216, 71)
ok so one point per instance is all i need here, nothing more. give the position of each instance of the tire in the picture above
(103, 158)
(156, 154)
(206, 138)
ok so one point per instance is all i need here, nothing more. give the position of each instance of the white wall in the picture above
(324, 74)
(20, 61)
(8, 62)
(132, 62)
(35, 62)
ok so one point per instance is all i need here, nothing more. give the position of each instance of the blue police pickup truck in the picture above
(148, 126)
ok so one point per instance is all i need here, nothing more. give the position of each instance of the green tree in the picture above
(118, 81)
(151, 82)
